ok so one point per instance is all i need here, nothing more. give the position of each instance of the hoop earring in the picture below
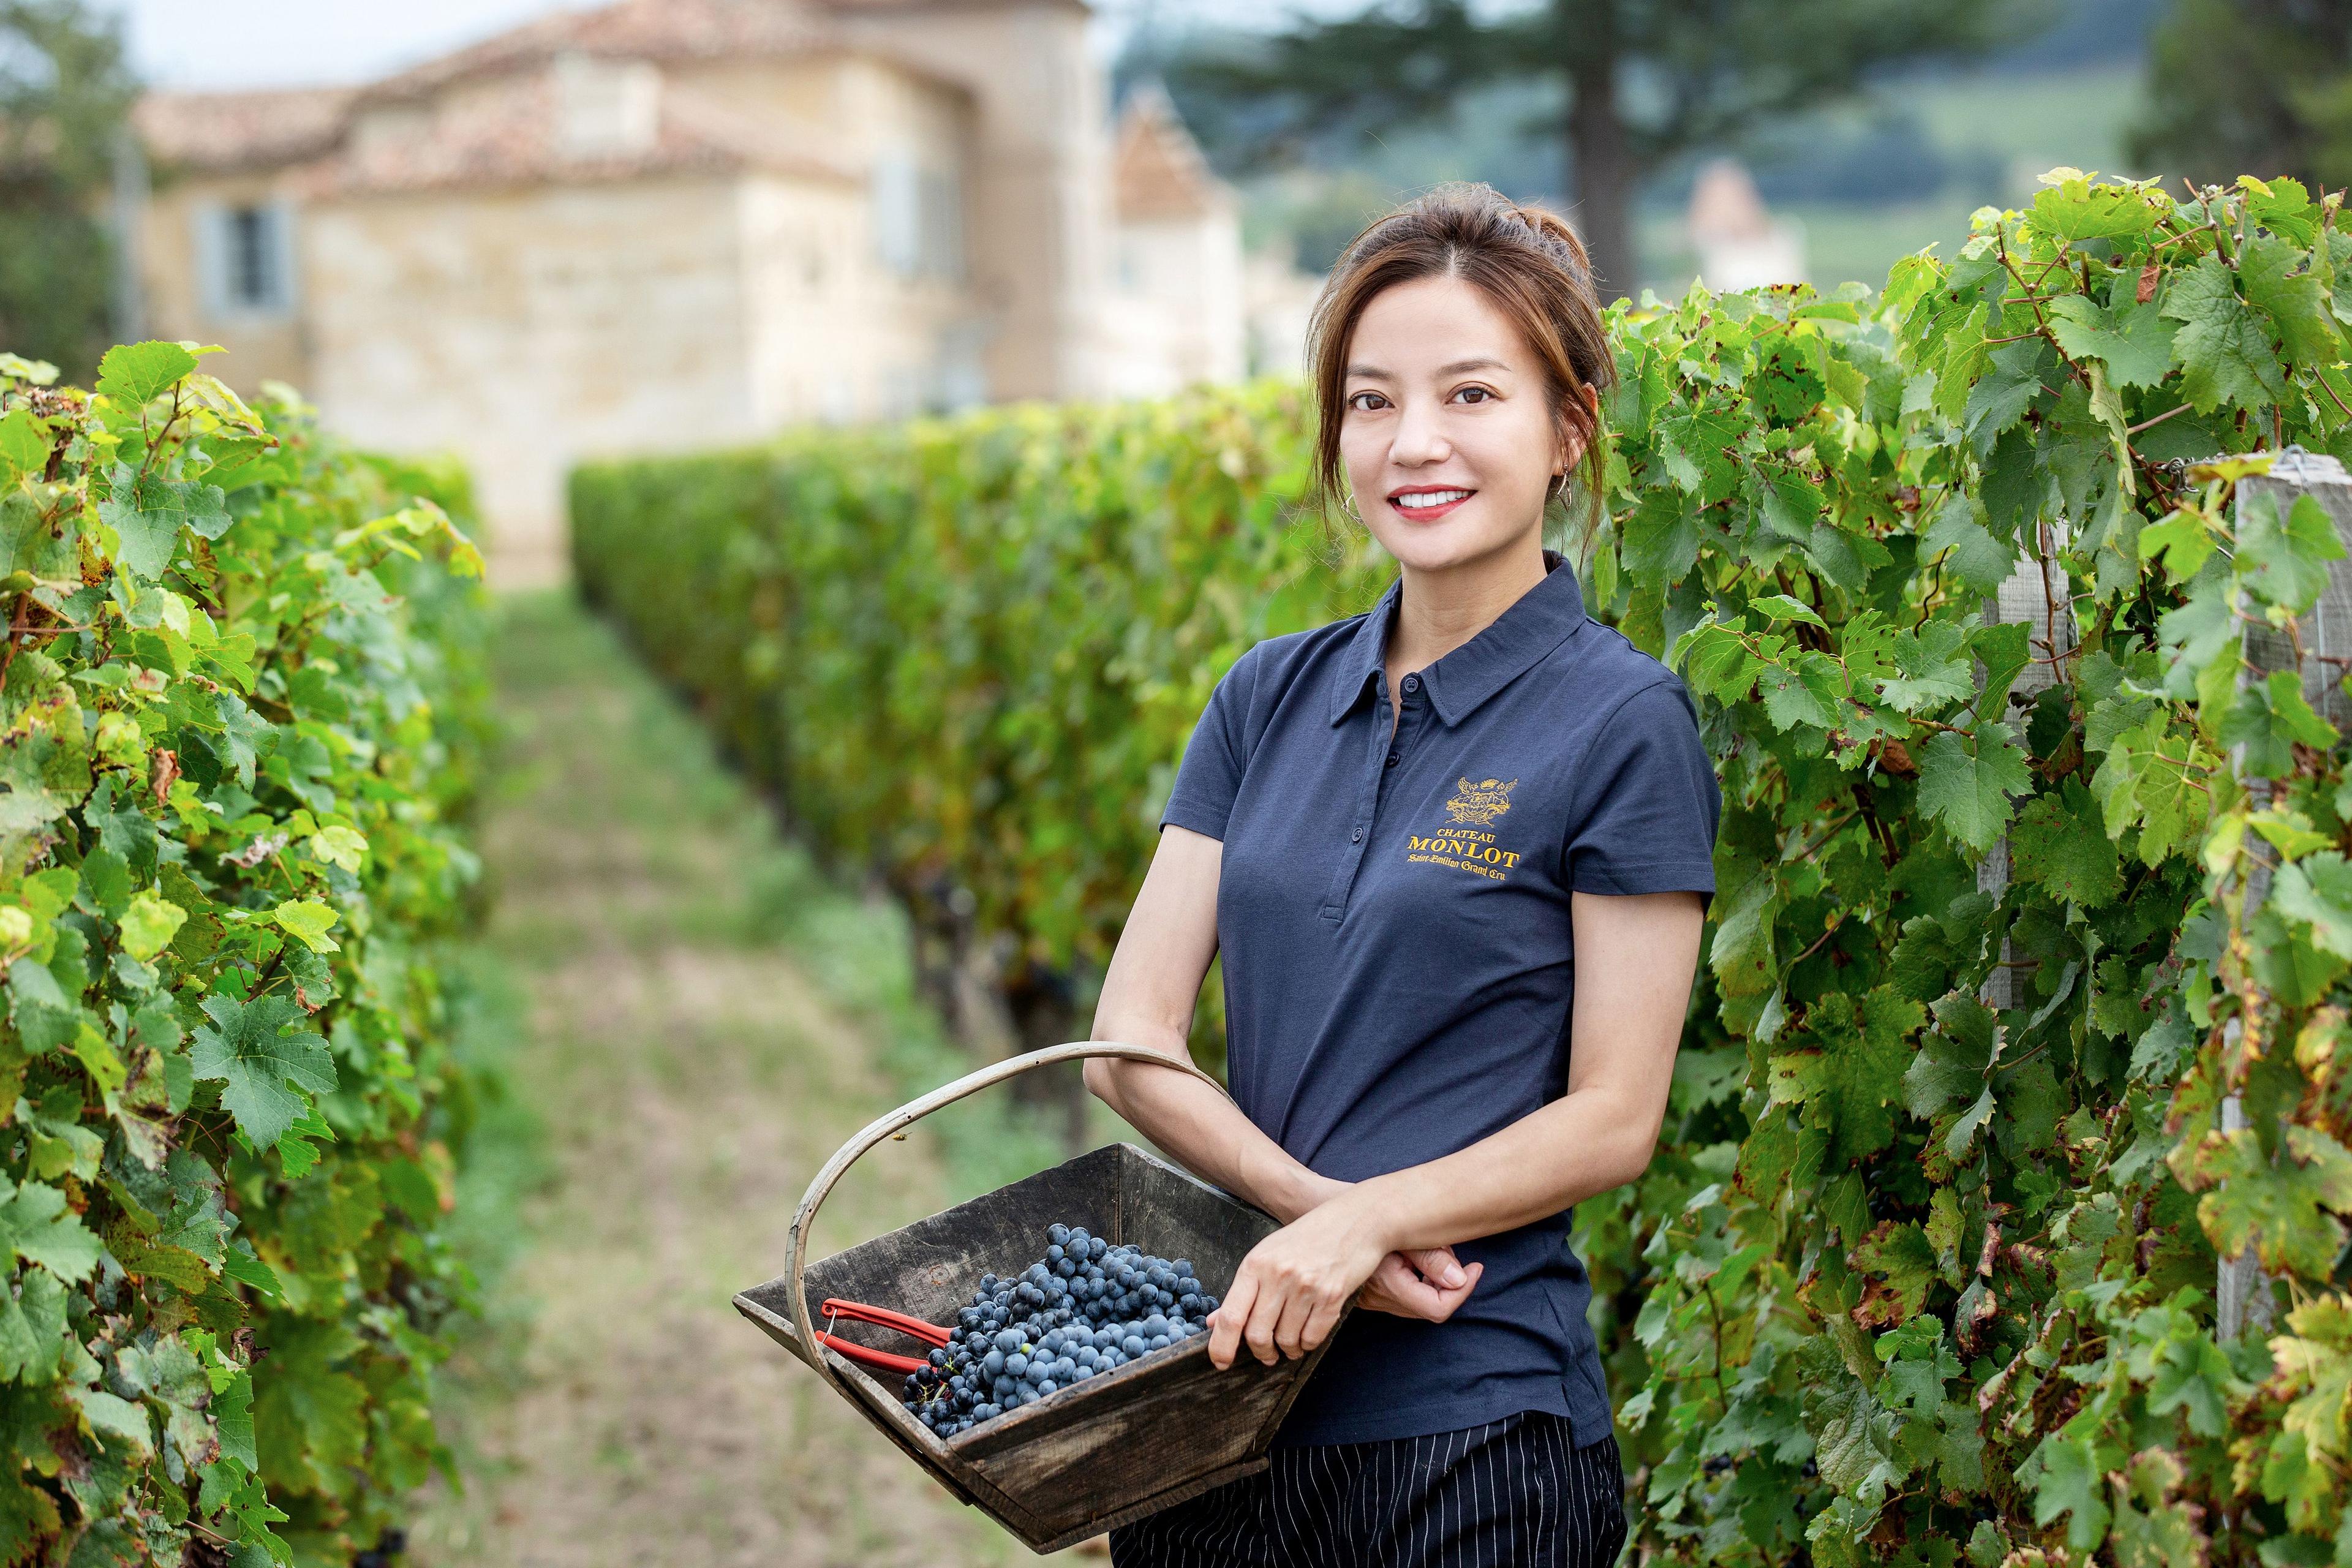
(1348, 505)
(1559, 488)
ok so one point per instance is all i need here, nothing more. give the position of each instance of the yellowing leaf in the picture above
(307, 919)
(344, 847)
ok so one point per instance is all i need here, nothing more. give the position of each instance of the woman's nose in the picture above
(1420, 438)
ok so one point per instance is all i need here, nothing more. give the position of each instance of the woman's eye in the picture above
(1366, 402)
(1474, 394)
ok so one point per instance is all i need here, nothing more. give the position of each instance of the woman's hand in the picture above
(1291, 1290)
(1429, 1283)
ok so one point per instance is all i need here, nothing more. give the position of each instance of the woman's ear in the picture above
(1574, 436)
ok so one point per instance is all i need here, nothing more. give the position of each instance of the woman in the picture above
(1422, 900)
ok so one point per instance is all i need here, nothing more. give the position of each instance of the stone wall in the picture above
(526, 329)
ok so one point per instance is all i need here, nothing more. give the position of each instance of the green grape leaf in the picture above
(33, 1329)
(2016, 374)
(2279, 284)
(1978, 561)
(2070, 207)
(2182, 540)
(264, 1067)
(242, 1266)
(36, 1226)
(1777, 608)
(2059, 844)
(1969, 792)
(1936, 669)
(2071, 1479)
(25, 441)
(2135, 343)
(2270, 718)
(2286, 560)
(2317, 889)
(147, 513)
(2223, 353)
(118, 1426)
(309, 1407)
(232, 1412)
(135, 374)
(1805, 695)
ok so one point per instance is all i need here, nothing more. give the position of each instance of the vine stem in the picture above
(2152, 424)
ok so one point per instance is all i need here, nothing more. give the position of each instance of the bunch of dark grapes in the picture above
(1086, 1309)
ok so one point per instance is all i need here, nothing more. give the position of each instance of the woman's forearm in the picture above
(1205, 1131)
(1581, 1145)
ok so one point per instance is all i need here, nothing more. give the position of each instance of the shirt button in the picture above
(1356, 837)
(1392, 759)
(1411, 684)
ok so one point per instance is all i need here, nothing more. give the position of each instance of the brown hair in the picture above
(1525, 259)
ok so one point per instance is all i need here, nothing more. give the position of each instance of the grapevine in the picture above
(239, 709)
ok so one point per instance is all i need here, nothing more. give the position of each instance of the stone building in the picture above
(671, 224)
(1739, 243)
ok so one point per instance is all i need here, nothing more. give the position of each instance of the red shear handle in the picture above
(835, 1309)
(882, 1316)
(871, 1357)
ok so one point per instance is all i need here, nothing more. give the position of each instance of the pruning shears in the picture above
(835, 1309)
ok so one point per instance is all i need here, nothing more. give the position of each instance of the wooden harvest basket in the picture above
(1101, 1452)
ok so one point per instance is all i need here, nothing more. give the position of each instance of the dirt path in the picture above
(688, 1077)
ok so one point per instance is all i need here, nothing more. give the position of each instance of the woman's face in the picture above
(1450, 441)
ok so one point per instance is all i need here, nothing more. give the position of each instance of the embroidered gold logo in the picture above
(1479, 804)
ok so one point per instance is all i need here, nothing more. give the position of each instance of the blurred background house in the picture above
(667, 224)
(1739, 243)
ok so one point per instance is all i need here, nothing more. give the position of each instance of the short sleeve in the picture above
(1210, 777)
(1648, 805)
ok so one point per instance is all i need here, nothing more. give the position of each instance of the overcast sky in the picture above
(276, 43)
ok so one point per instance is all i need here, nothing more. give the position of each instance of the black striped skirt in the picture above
(1515, 1493)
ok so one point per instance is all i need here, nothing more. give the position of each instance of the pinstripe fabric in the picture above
(1513, 1493)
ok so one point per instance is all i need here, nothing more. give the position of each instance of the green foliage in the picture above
(2264, 85)
(1925, 1264)
(238, 709)
(64, 102)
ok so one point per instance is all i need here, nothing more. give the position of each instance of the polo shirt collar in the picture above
(1542, 618)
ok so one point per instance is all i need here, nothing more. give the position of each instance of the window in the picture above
(245, 254)
(918, 218)
(897, 214)
(252, 258)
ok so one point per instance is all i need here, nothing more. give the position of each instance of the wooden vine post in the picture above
(2036, 595)
(2320, 646)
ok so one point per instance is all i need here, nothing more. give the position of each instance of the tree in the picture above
(2251, 87)
(1643, 80)
(65, 99)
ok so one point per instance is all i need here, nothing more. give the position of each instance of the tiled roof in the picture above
(270, 130)
(230, 131)
(512, 134)
(1158, 171)
(657, 30)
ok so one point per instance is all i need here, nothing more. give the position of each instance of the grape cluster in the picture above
(1086, 1308)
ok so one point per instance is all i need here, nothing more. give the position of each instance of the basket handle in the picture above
(906, 1116)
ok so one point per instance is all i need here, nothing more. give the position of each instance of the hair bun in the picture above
(1553, 230)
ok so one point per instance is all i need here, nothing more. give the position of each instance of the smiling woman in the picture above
(1403, 831)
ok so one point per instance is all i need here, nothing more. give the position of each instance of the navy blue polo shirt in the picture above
(1399, 967)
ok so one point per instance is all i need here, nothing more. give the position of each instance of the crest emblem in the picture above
(1479, 804)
